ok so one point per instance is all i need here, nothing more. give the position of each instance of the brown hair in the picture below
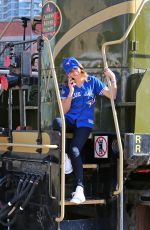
(83, 72)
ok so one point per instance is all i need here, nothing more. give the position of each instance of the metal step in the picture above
(94, 201)
(90, 166)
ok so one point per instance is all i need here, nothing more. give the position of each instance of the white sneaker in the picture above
(68, 165)
(78, 195)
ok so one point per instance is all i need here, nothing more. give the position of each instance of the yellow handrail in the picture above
(120, 178)
(62, 201)
(28, 145)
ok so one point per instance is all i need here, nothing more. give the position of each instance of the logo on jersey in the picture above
(77, 94)
(89, 92)
(91, 102)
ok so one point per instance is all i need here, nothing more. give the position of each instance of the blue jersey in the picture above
(81, 112)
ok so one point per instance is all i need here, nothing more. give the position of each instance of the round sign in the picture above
(101, 146)
(51, 19)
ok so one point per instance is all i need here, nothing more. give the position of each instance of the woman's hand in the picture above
(71, 85)
(109, 74)
(112, 78)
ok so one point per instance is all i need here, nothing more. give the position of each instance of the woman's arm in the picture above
(66, 103)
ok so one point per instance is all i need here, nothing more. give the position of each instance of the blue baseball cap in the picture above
(69, 64)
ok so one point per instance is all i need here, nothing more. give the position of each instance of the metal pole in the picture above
(39, 48)
(10, 116)
(120, 206)
(22, 108)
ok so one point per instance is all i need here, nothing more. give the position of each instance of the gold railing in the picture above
(120, 176)
(62, 189)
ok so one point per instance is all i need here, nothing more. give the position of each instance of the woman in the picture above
(78, 101)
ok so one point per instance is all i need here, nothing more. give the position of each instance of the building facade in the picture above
(19, 8)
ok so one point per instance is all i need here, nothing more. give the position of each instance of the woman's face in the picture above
(74, 73)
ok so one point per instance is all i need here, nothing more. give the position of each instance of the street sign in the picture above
(51, 19)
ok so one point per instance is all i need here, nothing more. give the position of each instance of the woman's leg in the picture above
(57, 124)
(76, 145)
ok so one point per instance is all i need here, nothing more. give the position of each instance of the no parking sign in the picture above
(101, 146)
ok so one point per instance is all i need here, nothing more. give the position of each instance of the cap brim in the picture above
(74, 67)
